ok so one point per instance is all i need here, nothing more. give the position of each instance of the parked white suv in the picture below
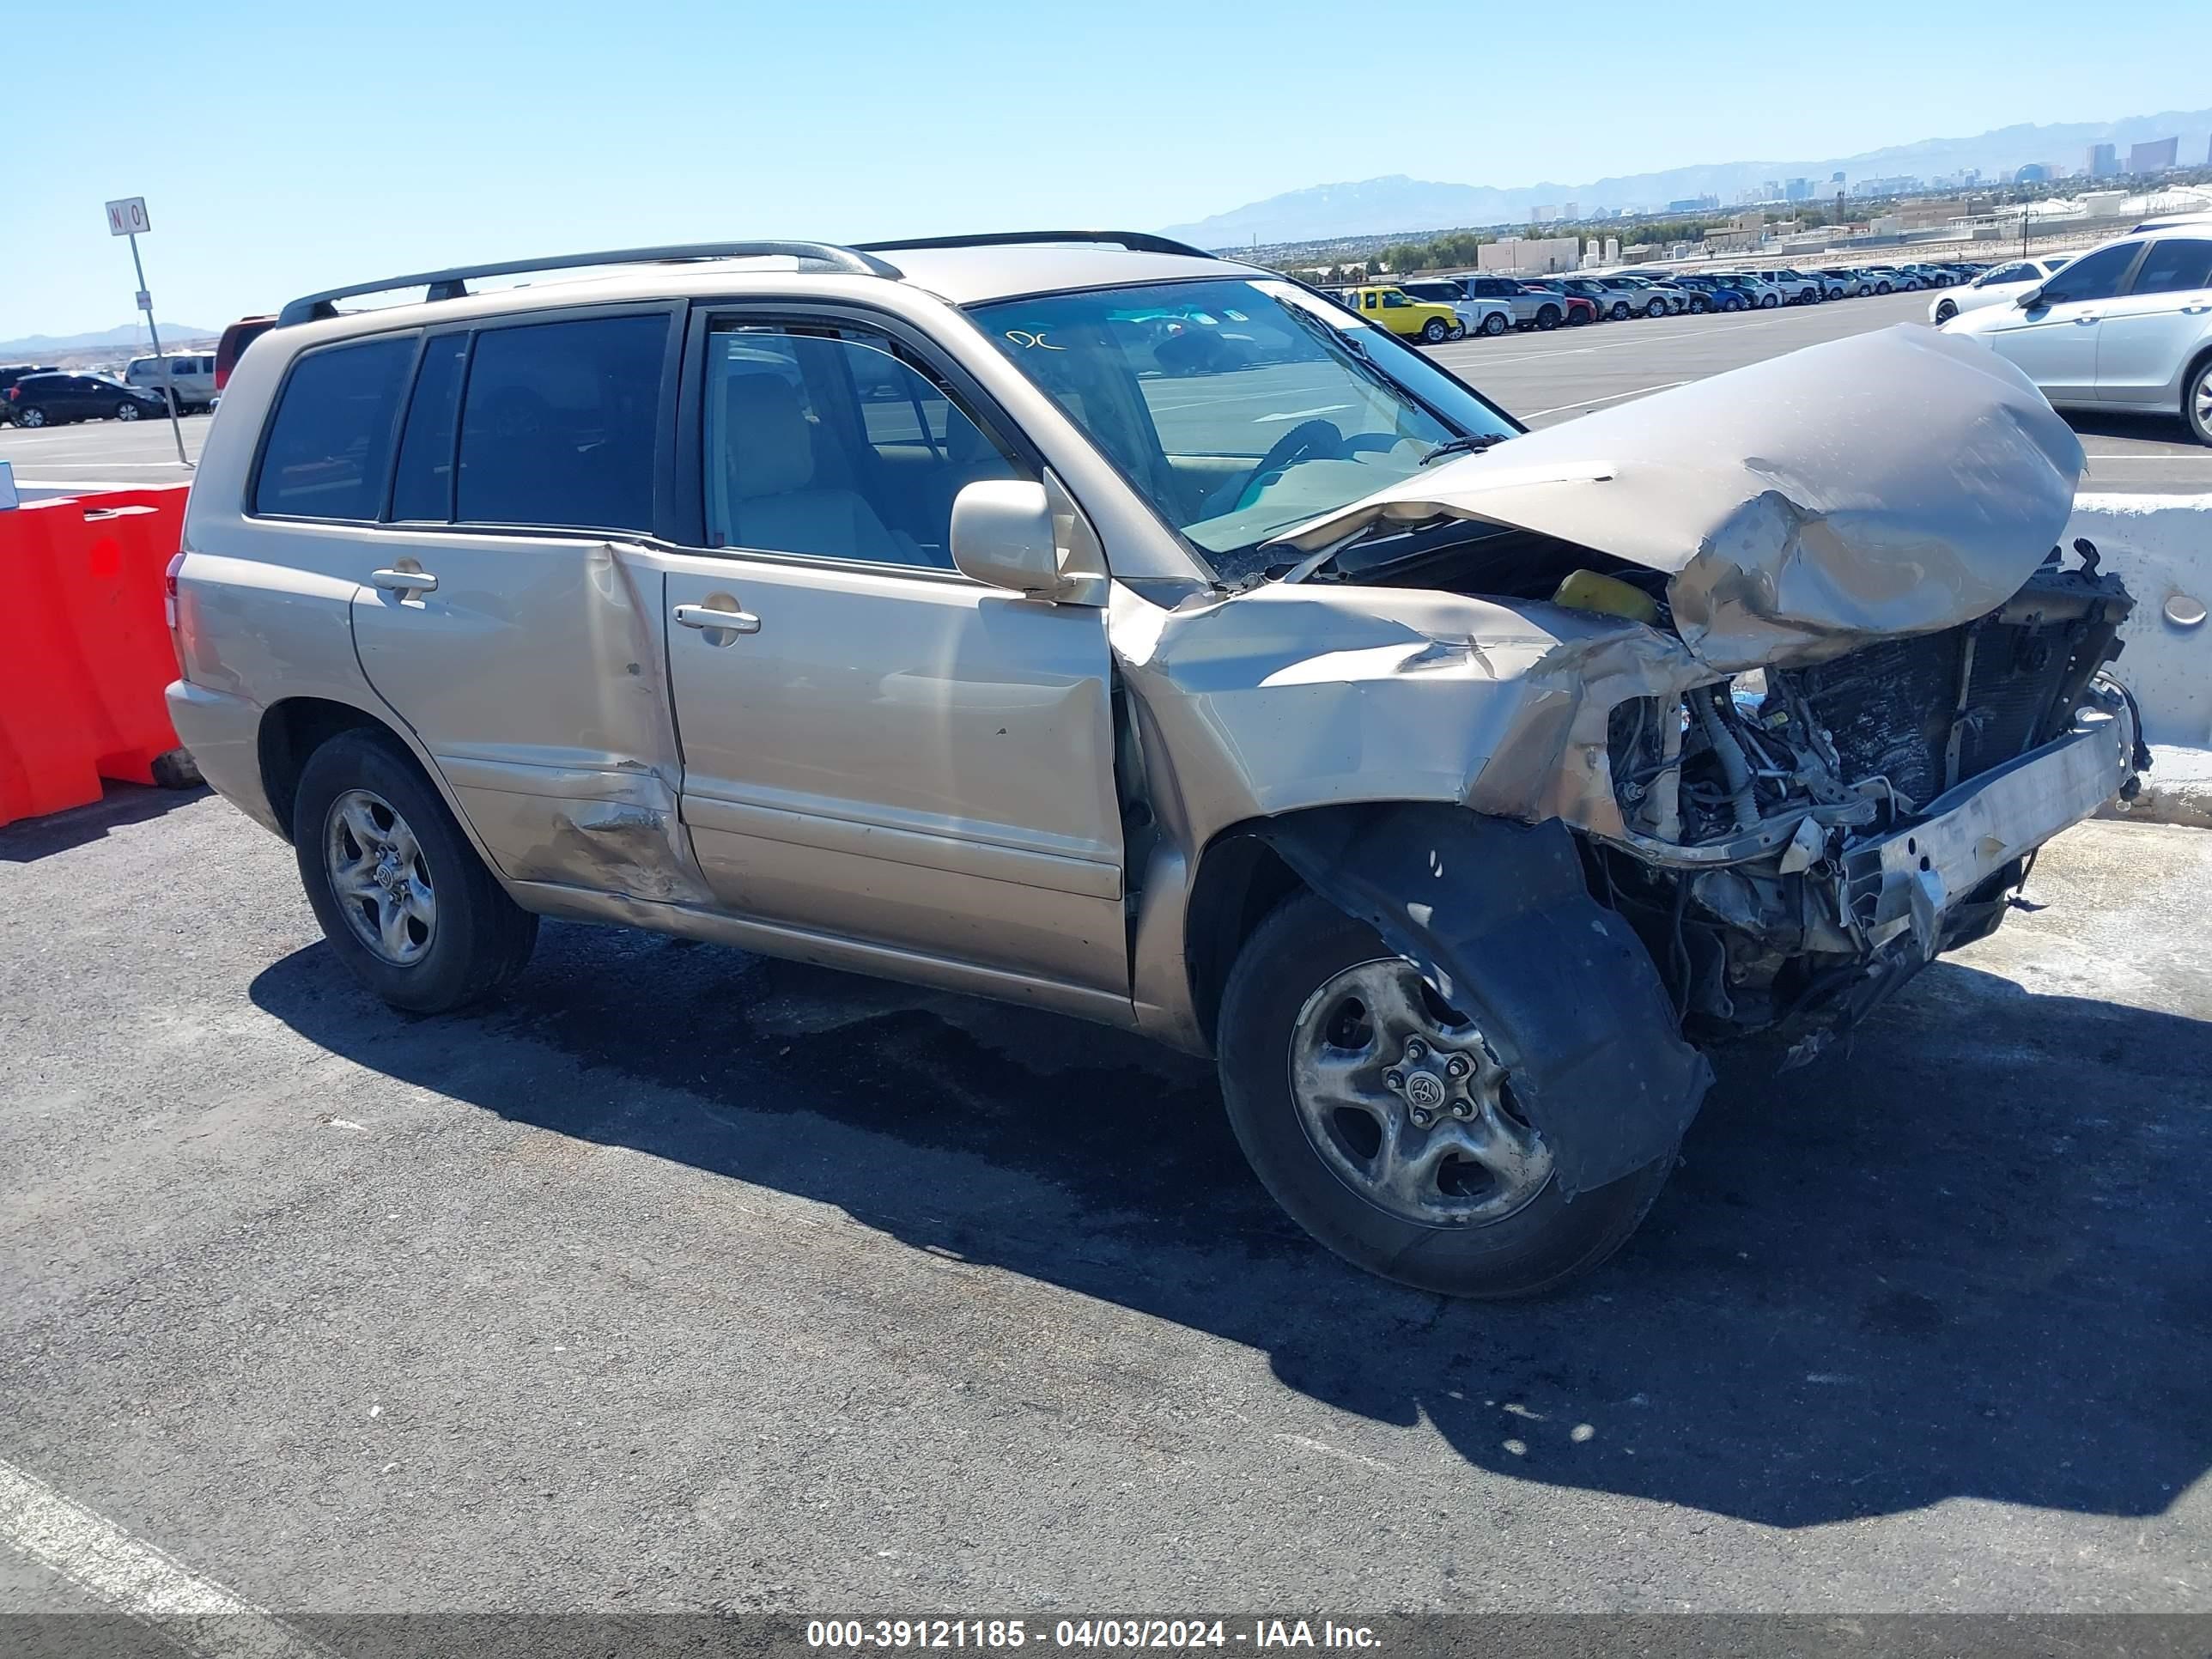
(2125, 326)
(191, 378)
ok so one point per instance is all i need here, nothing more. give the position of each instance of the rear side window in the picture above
(423, 486)
(557, 424)
(330, 441)
(2177, 264)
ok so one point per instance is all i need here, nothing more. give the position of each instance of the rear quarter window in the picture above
(329, 444)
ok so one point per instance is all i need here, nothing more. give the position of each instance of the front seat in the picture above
(774, 501)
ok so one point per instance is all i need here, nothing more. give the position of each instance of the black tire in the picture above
(30, 417)
(1620, 311)
(1548, 318)
(1946, 310)
(2197, 400)
(1436, 331)
(1495, 324)
(1536, 1247)
(1657, 308)
(1699, 306)
(482, 938)
(1769, 301)
(127, 411)
(1458, 331)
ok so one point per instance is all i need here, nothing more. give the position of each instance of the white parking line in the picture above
(1592, 403)
(93, 1554)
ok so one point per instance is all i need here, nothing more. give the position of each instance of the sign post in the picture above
(128, 218)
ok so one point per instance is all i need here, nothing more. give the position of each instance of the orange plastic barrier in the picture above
(84, 646)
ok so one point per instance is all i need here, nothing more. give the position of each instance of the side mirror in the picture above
(2032, 300)
(1029, 538)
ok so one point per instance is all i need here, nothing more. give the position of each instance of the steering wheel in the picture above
(1307, 441)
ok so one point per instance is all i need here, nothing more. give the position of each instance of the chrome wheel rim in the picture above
(127, 411)
(2201, 399)
(380, 877)
(1406, 1103)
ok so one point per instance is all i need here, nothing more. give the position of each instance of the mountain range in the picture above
(1374, 207)
(127, 334)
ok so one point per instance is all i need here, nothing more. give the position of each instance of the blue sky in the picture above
(308, 145)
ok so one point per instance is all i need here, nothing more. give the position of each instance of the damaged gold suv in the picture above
(1081, 620)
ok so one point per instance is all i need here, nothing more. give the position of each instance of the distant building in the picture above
(1901, 184)
(1519, 256)
(1572, 211)
(1546, 213)
(2103, 162)
(2156, 156)
(1797, 190)
(1694, 205)
(2033, 174)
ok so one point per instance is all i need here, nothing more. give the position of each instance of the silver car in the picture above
(189, 377)
(2124, 326)
(1457, 788)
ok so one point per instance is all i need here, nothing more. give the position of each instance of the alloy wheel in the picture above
(380, 876)
(2200, 404)
(1406, 1103)
(127, 411)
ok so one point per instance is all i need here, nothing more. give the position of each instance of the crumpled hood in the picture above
(1891, 483)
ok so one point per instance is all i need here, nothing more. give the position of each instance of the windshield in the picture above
(1239, 408)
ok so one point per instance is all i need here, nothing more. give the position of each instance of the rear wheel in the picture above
(1494, 324)
(1382, 1121)
(401, 897)
(1435, 332)
(1700, 305)
(2197, 400)
(1657, 308)
(32, 416)
(1548, 318)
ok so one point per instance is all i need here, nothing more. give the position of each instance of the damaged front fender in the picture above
(1497, 917)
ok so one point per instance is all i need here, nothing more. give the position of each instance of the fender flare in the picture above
(1497, 916)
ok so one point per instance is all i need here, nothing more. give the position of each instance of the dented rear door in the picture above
(504, 615)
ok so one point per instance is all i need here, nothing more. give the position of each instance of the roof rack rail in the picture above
(452, 284)
(1137, 241)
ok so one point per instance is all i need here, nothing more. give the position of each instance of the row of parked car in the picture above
(1435, 309)
(40, 394)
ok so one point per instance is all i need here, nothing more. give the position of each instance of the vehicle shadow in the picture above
(31, 839)
(1967, 1258)
(2120, 423)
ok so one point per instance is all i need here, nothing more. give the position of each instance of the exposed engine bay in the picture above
(1751, 801)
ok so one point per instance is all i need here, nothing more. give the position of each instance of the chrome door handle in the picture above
(404, 581)
(2091, 317)
(707, 616)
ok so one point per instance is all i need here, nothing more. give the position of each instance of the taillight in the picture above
(13, 392)
(169, 595)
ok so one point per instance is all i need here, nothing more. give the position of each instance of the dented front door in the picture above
(531, 668)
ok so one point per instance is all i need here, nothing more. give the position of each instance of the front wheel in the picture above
(1768, 302)
(2196, 402)
(1548, 318)
(401, 895)
(1946, 310)
(1494, 324)
(127, 411)
(1458, 331)
(1698, 308)
(1620, 311)
(1382, 1120)
(1435, 332)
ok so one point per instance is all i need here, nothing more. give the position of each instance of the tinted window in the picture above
(830, 441)
(423, 486)
(557, 424)
(2013, 273)
(330, 439)
(2093, 276)
(2174, 265)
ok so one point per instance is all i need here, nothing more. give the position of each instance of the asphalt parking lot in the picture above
(683, 1278)
(1541, 378)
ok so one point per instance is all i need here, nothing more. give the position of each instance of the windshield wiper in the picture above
(1473, 445)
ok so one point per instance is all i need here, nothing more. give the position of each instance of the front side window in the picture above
(2175, 265)
(2092, 276)
(330, 441)
(1239, 408)
(2011, 273)
(557, 424)
(832, 441)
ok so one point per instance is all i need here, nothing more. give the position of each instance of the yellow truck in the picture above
(1389, 307)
